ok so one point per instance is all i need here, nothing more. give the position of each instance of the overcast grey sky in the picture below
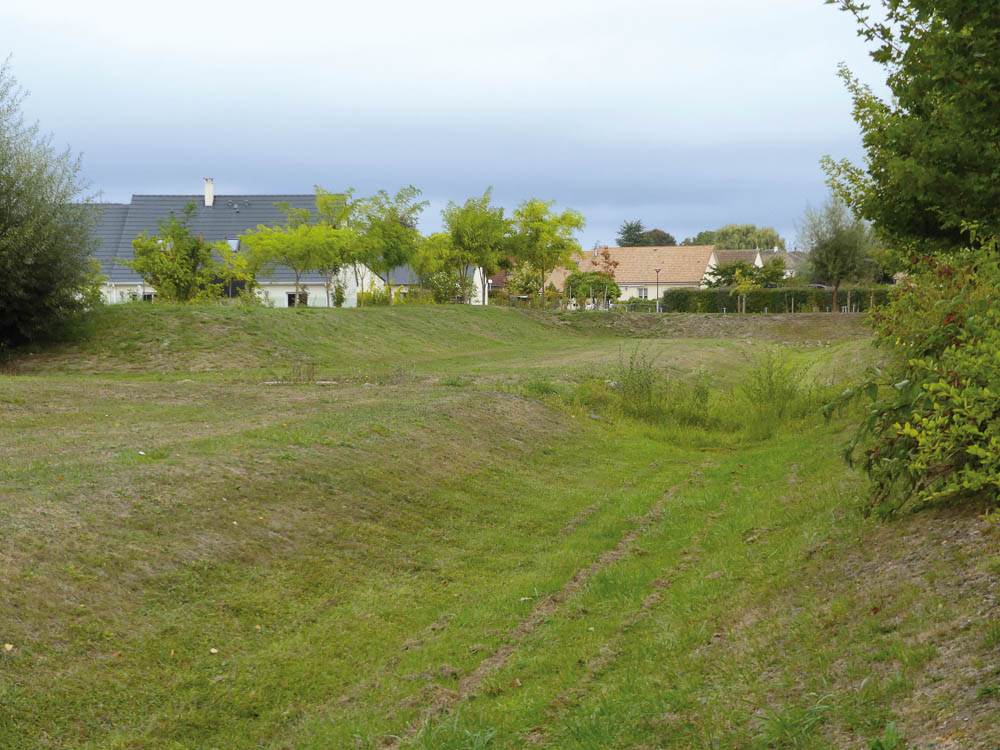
(685, 115)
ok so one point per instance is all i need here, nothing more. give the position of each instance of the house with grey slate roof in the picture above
(217, 217)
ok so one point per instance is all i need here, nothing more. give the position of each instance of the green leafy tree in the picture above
(931, 153)
(480, 233)
(544, 239)
(47, 272)
(658, 238)
(839, 245)
(747, 237)
(442, 268)
(631, 234)
(338, 239)
(727, 274)
(389, 230)
(706, 237)
(183, 266)
(591, 285)
(929, 184)
(292, 244)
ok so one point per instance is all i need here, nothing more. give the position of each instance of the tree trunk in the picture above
(836, 287)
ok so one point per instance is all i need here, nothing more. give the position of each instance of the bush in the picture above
(374, 297)
(932, 427)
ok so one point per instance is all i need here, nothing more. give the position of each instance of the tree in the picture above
(338, 239)
(726, 274)
(47, 272)
(932, 154)
(544, 239)
(592, 285)
(440, 266)
(631, 234)
(389, 230)
(658, 238)
(182, 266)
(929, 185)
(747, 237)
(480, 234)
(292, 244)
(839, 245)
(705, 237)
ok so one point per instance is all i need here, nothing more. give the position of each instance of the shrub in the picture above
(777, 300)
(931, 431)
(374, 297)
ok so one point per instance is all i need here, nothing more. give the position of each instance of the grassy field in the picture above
(461, 528)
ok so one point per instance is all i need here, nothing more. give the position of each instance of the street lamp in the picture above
(657, 289)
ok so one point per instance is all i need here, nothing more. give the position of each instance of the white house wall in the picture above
(272, 293)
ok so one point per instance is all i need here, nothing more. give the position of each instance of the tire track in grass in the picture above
(435, 701)
(608, 653)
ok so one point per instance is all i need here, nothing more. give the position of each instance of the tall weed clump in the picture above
(770, 393)
(931, 432)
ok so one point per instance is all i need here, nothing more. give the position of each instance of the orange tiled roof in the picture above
(681, 265)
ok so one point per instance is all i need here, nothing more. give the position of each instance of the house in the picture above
(641, 271)
(216, 218)
(794, 260)
(404, 278)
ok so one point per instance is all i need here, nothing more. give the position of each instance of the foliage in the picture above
(932, 424)
(777, 300)
(739, 237)
(929, 185)
(839, 245)
(770, 274)
(544, 239)
(658, 238)
(375, 296)
(389, 228)
(747, 237)
(705, 237)
(631, 234)
(46, 221)
(590, 285)
(182, 266)
(293, 244)
(480, 234)
(931, 156)
(450, 285)
(634, 234)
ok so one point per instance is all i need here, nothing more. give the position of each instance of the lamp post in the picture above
(489, 290)
(657, 289)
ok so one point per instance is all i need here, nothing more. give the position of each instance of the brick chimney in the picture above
(209, 192)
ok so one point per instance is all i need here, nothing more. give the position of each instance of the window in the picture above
(302, 301)
(147, 297)
(642, 292)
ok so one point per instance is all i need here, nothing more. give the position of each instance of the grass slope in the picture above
(447, 549)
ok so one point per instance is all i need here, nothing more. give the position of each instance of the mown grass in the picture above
(482, 534)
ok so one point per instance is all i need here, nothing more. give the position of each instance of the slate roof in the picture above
(680, 265)
(227, 218)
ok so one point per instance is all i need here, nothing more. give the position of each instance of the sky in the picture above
(686, 116)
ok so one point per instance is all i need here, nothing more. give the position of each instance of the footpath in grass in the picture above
(489, 548)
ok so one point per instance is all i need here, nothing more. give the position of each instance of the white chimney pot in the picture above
(209, 192)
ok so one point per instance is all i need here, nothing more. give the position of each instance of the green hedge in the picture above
(778, 300)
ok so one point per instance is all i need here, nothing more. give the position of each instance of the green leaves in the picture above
(183, 267)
